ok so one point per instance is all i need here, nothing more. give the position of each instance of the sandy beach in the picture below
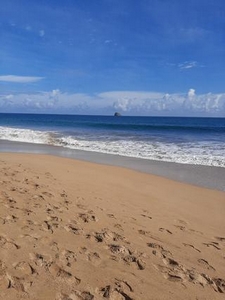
(77, 230)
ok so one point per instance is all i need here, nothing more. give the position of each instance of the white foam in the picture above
(25, 135)
(198, 153)
(186, 153)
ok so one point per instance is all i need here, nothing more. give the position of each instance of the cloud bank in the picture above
(126, 102)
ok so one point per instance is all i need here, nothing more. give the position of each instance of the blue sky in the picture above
(148, 57)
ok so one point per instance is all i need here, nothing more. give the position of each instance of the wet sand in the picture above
(205, 176)
(79, 230)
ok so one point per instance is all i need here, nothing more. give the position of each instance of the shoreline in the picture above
(204, 176)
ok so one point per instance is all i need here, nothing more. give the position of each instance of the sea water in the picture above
(199, 141)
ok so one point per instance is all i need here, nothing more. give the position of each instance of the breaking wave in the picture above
(199, 153)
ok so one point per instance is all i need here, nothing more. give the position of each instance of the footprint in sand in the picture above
(165, 230)
(196, 231)
(23, 268)
(73, 228)
(176, 272)
(9, 219)
(29, 237)
(76, 295)
(144, 232)
(55, 219)
(146, 216)
(53, 245)
(182, 228)
(87, 217)
(47, 195)
(38, 198)
(206, 264)
(19, 280)
(45, 262)
(118, 226)
(8, 243)
(50, 209)
(27, 212)
(41, 260)
(93, 257)
(191, 246)
(67, 258)
(111, 216)
(128, 256)
(213, 244)
(19, 284)
(63, 194)
(105, 235)
(118, 290)
(9, 200)
(48, 175)
(81, 206)
(47, 226)
(67, 202)
(52, 223)
(221, 239)
(62, 275)
(29, 222)
(158, 250)
(183, 222)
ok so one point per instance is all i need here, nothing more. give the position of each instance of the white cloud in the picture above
(55, 92)
(130, 94)
(19, 79)
(126, 102)
(191, 93)
(9, 97)
(122, 104)
(28, 28)
(41, 33)
(188, 65)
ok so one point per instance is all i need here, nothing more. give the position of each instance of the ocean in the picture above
(195, 141)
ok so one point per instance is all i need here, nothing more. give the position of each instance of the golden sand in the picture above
(76, 230)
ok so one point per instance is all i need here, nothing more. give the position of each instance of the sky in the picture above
(138, 57)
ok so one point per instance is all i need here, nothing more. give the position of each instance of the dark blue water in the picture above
(184, 140)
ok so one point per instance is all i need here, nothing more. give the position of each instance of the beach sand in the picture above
(78, 230)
